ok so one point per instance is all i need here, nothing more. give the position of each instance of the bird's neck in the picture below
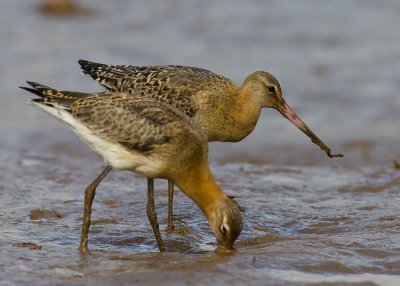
(234, 118)
(247, 112)
(200, 185)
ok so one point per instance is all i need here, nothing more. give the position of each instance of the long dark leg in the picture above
(151, 213)
(170, 201)
(87, 209)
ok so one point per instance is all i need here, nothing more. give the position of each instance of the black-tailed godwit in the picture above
(148, 137)
(225, 111)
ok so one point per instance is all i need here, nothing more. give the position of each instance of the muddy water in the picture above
(308, 219)
(301, 223)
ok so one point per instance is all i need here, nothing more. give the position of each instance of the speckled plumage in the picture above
(149, 137)
(176, 85)
(212, 100)
(225, 111)
(138, 124)
(134, 122)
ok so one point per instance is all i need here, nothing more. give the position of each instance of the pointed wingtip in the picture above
(87, 67)
(37, 86)
(27, 88)
(86, 63)
(89, 64)
(82, 62)
(32, 83)
(33, 89)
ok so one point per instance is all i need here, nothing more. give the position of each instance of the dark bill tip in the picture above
(288, 113)
(335, 155)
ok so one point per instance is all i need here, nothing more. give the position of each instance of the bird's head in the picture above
(264, 89)
(225, 220)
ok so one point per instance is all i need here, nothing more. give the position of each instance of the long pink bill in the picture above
(286, 111)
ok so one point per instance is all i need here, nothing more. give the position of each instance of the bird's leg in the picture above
(170, 201)
(151, 213)
(87, 209)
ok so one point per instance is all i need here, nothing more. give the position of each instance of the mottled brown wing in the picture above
(135, 122)
(174, 85)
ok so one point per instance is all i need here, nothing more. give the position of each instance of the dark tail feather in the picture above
(37, 89)
(32, 90)
(50, 95)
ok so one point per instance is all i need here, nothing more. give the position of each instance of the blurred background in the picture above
(308, 219)
(338, 63)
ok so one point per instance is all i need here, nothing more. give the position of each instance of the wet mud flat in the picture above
(302, 225)
(320, 222)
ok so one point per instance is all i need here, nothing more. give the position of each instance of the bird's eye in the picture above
(223, 229)
(271, 88)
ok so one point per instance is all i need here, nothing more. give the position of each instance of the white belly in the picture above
(114, 154)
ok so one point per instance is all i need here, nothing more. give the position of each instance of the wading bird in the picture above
(148, 137)
(225, 111)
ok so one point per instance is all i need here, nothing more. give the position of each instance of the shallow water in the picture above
(302, 224)
(308, 219)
